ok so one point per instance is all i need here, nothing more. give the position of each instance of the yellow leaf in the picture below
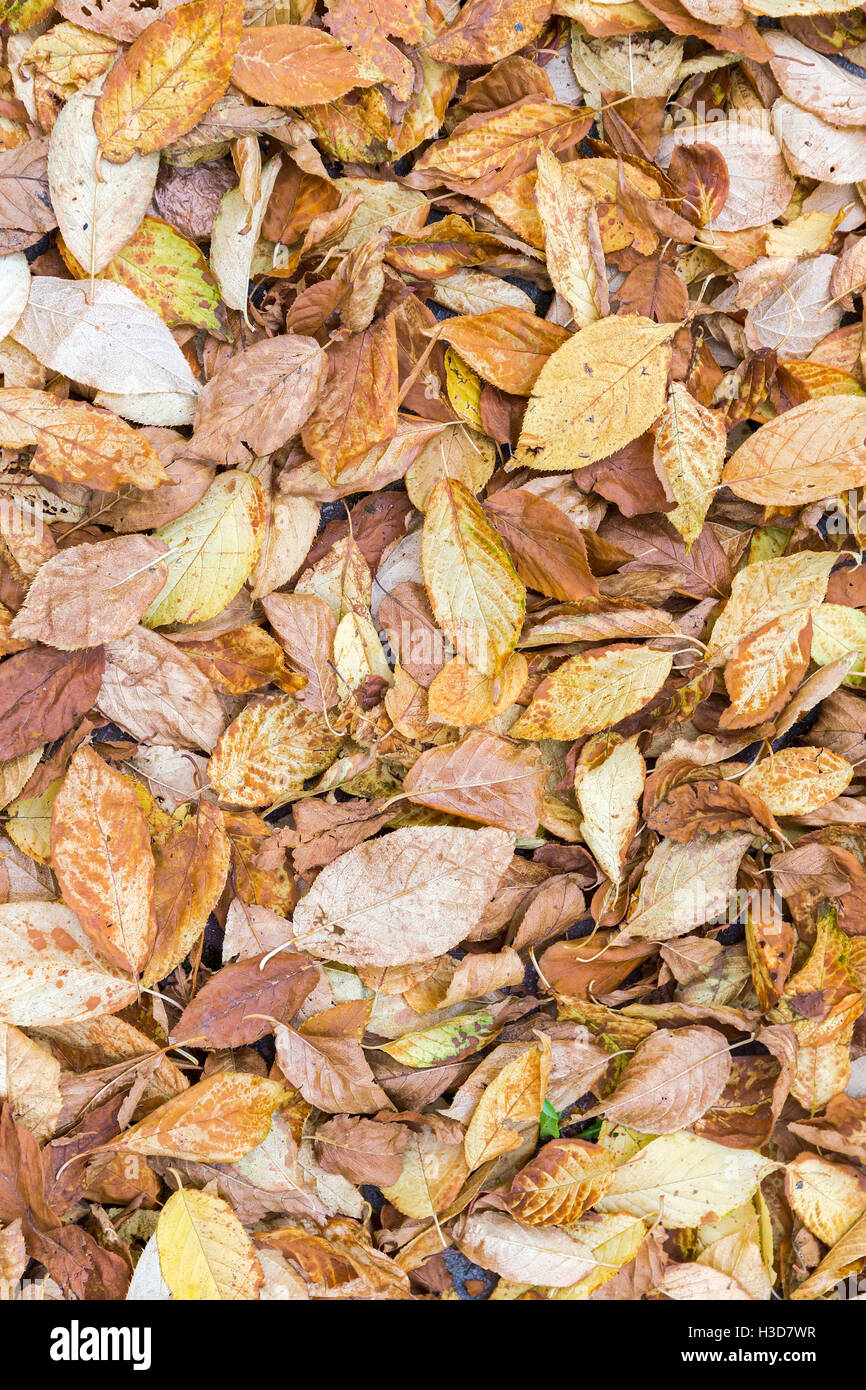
(475, 593)
(464, 388)
(594, 691)
(168, 273)
(433, 1174)
(804, 455)
(204, 1251)
(827, 1197)
(457, 451)
(212, 550)
(691, 1179)
(795, 781)
(268, 752)
(168, 79)
(597, 393)
(793, 586)
(511, 1102)
(838, 630)
(614, 1240)
(69, 56)
(689, 455)
(575, 260)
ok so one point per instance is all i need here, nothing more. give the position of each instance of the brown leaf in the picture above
(483, 778)
(259, 399)
(241, 1002)
(93, 593)
(673, 1079)
(361, 1150)
(358, 407)
(549, 552)
(328, 1066)
(44, 694)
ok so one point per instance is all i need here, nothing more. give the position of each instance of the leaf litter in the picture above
(433, 628)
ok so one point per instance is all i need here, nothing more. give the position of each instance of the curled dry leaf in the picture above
(511, 1102)
(98, 206)
(556, 1187)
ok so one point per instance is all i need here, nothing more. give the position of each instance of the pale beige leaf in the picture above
(98, 205)
(409, 896)
(104, 337)
(815, 82)
(528, 1255)
(685, 885)
(29, 1081)
(234, 237)
(14, 292)
(42, 942)
(608, 797)
(815, 149)
(760, 184)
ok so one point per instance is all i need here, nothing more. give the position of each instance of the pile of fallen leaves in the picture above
(432, 824)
